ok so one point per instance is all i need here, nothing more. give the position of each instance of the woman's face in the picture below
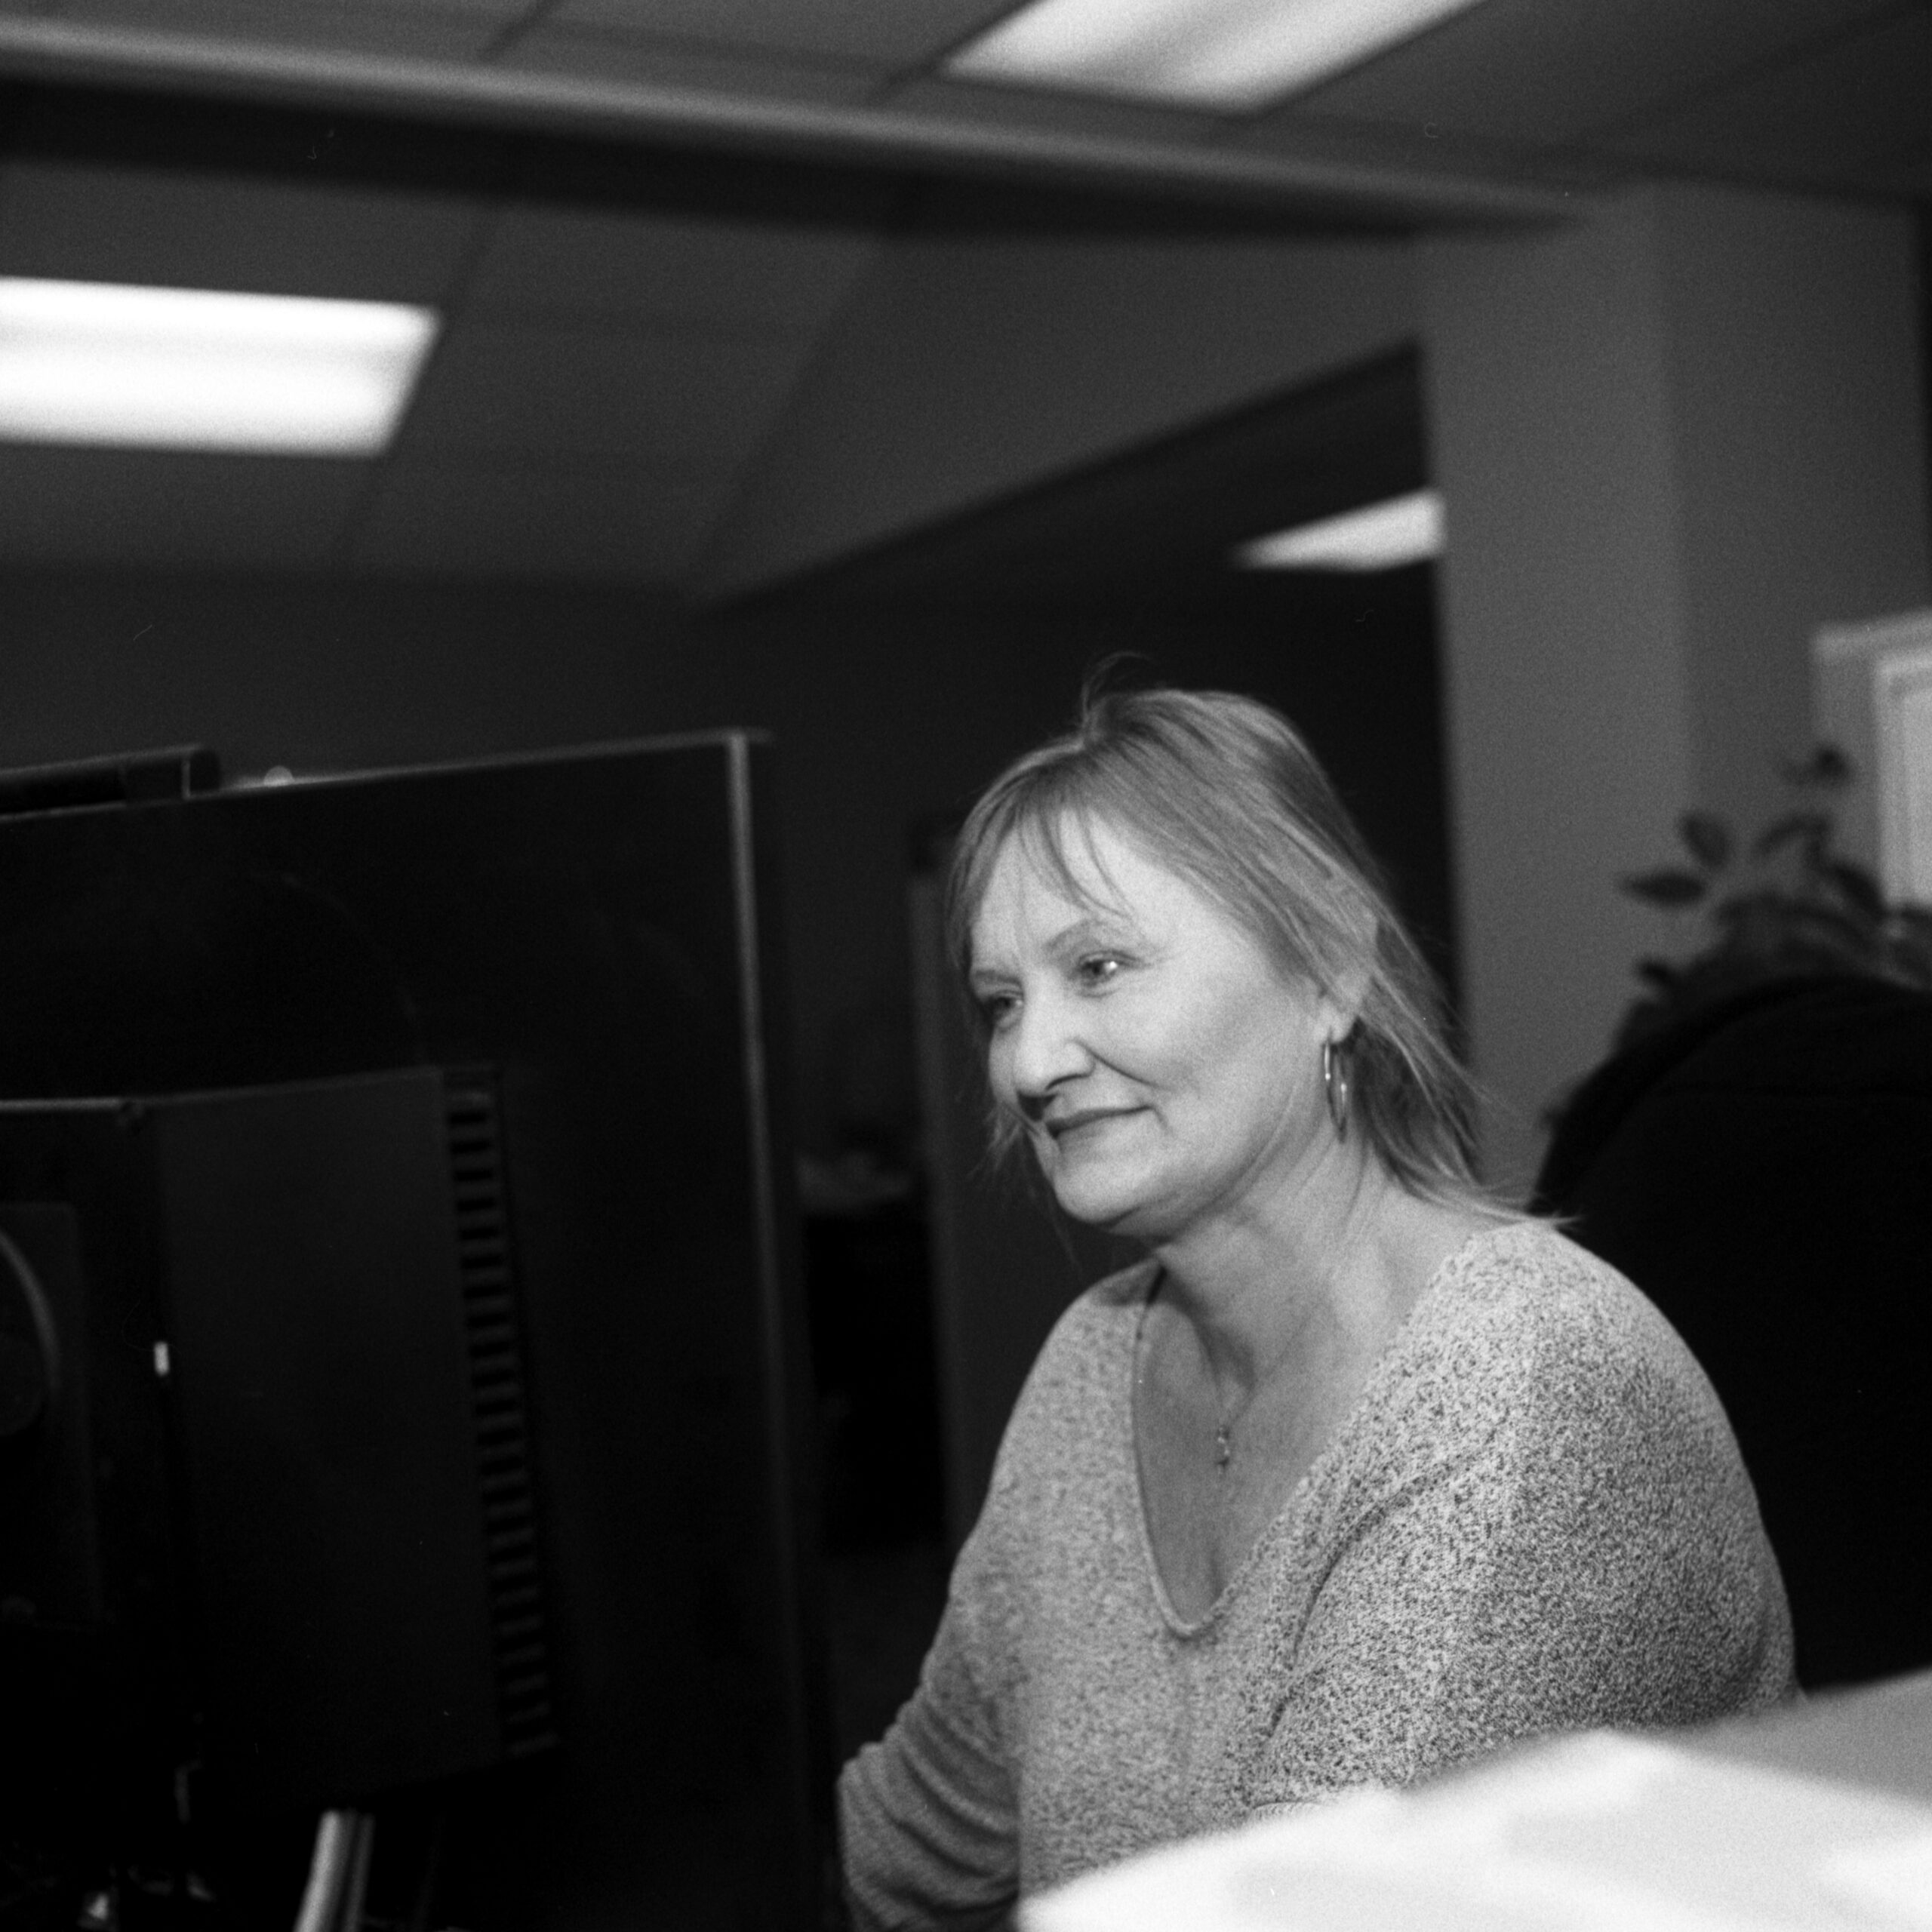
(1164, 1069)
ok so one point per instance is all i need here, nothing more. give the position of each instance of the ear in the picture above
(1340, 1000)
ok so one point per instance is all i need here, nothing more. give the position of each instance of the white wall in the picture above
(1674, 438)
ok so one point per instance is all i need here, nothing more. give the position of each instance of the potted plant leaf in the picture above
(1786, 904)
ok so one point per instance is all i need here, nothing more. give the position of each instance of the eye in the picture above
(1097, 970)
(997, 1009)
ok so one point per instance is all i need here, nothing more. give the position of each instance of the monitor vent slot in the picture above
(499, 1405)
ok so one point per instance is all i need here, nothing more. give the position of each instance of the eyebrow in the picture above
(1085, 930)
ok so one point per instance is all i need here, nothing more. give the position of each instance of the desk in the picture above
(1817, 1818)
(1879, 1736)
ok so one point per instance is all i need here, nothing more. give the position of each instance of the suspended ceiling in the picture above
(646, 222)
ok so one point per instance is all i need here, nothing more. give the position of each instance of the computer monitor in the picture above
(403, 1393)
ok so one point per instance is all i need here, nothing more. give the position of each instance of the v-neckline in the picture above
(1186, 1628)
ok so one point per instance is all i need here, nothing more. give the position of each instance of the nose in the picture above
(1042, 1051)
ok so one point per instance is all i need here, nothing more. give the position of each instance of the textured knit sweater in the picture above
(1533, 1519)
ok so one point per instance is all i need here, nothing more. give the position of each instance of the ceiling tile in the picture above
(426, 30)
(741, 275)
(878, 33)
(158, 508)
(606, 56)
(520, 519)
(1524, 70)
(196, 230)
(691, 402)
(1859, 110)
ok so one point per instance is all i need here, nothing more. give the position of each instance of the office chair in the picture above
(1762, 1169)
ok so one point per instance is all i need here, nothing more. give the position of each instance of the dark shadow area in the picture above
(1763, 1166)
(869, 1294)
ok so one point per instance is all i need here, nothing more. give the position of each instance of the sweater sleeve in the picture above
(928, 1815)
(1567, 1540)
(932, 1816)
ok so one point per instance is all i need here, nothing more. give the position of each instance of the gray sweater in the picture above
(1534, 1519)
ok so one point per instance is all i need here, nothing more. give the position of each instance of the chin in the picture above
(1095, 1202)
(1117, 1205)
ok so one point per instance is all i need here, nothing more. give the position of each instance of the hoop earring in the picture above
(1335, 1084)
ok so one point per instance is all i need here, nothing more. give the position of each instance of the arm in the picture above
(927, 1816)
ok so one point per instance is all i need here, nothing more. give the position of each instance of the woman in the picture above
(1359, 1474)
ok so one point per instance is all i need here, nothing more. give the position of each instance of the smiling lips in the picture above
(1060, 1125)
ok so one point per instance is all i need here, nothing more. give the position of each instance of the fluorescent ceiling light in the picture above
(1379, 536)
(1215, 54)
(192, 369)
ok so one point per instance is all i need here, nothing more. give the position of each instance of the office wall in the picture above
(1674, 438)
(885, 717)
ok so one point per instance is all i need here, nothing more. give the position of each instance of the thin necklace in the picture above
(1224, 1430)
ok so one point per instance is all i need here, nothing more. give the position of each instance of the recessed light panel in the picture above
(104, 364)
(1228, 54)
(1379, 536)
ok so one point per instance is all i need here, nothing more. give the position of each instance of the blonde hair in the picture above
(1221, 791)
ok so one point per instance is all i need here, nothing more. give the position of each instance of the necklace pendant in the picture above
(1223, 1448)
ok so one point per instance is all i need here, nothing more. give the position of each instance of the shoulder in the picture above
(1547, 1453)
(1069, 1434)
(1089, 1347)
(1522, 1308)
(1531, 1270)
(1062, 1481)
(1542, 1370)
(1610, 1447)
